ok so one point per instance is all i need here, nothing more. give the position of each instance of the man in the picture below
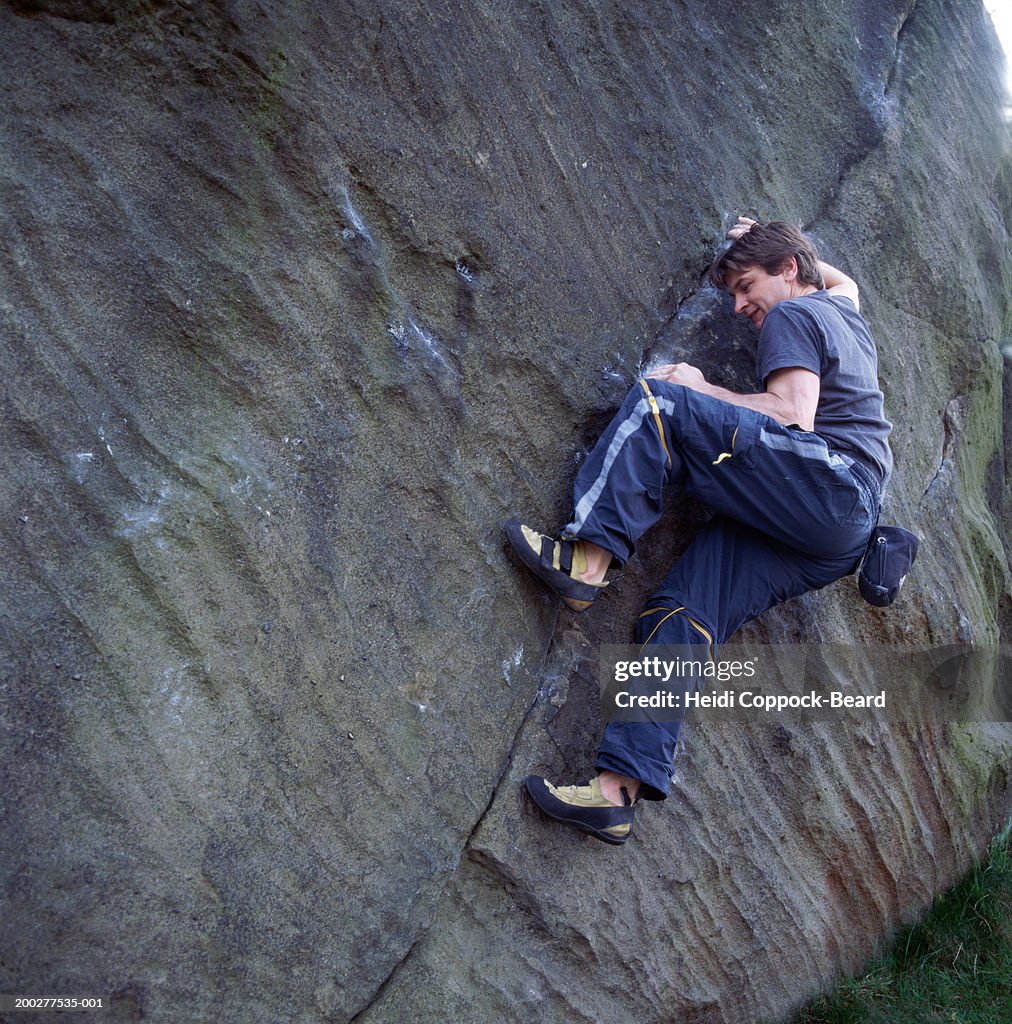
(794, 474)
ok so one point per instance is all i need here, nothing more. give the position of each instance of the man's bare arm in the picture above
(837, 283)
(791, 394)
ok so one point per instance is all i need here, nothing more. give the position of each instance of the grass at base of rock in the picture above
(953, 966)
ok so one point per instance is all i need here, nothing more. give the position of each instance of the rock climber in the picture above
(793, 473)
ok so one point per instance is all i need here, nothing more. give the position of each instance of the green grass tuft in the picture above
(954, 967)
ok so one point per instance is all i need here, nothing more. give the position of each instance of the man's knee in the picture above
(665, 620)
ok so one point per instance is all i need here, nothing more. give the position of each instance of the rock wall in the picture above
(299, 302)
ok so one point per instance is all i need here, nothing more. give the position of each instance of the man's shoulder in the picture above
(823, 302)
(799, 313)
(817, 310)
(815, 301)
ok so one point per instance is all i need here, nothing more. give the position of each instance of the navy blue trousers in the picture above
(791, 515)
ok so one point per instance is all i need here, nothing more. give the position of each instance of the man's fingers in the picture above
(665, 371)
(743, 226)
(674, 373)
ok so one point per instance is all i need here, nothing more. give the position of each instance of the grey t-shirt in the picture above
(825, 334)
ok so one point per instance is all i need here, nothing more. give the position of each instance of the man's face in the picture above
(756, 292)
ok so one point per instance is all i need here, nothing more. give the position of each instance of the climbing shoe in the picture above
(585, 808)
(558, 562)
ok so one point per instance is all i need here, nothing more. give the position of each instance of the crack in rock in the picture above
(466, 850)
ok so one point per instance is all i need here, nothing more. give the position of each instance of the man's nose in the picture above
(740, 303)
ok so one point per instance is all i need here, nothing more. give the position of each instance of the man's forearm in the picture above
(772, 405)
(791, 395)
(837, 282)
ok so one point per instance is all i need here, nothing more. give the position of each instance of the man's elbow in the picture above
(848, 287)
(795, 414)
(795, 397)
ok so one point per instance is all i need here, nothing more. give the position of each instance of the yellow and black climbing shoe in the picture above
(584, 807)
(558, 562)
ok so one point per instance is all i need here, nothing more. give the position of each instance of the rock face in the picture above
(299, 302)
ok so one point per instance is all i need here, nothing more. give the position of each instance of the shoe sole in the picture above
(536, 790)
(559, 582)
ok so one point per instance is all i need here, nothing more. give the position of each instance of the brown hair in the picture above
(771, 247)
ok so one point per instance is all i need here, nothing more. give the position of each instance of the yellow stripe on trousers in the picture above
(692, 622)
(655, 409)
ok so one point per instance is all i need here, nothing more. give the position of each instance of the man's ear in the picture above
(790, 269)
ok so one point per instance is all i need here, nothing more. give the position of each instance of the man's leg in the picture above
(742, 464)
(618, 493)
(728, 575)
(617, 496)
(784, 482)
(810, 517)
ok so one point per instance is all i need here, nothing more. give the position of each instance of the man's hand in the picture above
(742, 227)
(680, 373)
